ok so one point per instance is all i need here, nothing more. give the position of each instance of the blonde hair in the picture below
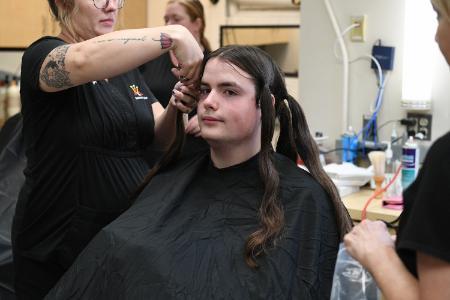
(63, 14)
(194, 9)
(443, 6)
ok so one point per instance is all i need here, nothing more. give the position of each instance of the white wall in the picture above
(321, 73)
(10, 61)
(214, 15)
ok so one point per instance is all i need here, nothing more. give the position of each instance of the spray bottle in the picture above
(394, 191)
(349, 145)
(410, 162)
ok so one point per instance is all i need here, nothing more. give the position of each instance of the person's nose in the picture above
(210, 101)
(112, 5)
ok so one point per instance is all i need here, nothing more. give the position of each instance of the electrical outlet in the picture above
(358, 34)
(422, 125)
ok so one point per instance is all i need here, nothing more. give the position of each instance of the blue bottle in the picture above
(349, 143)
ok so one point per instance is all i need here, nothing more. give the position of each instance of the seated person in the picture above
(238, 221)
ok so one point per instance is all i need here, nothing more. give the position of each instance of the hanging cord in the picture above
(376, 62)
(364, 210)
(372, 121)
(381, 84)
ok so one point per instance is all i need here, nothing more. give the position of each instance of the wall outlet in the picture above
(422, 125)
(358, 34)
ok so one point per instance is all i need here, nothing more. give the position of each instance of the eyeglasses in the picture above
(102, 4)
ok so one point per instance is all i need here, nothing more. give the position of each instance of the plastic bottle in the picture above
(395, 189)
(2, 101)
(349, 145)
(410, 162)
(13, 99)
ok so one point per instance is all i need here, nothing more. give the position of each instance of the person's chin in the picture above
(105, 28)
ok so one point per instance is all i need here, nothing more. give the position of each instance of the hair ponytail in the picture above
(168, 157)
(307, 149)
(270, 211)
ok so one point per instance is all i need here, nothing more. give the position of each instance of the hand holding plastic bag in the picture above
(351, 281)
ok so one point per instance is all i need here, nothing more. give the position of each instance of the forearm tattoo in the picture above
(123, 40)
(54, 73)
(165, 40)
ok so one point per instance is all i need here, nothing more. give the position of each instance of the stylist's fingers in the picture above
(182, 101)
(189, 56)
(193, 127)
(190, 78)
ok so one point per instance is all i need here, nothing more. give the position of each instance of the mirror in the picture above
(280, 41)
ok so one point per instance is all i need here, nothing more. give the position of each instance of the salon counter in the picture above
(355, 203)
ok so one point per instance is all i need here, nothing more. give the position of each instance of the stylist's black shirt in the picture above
(425, 219)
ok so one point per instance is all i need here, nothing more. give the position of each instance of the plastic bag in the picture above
(351, 281)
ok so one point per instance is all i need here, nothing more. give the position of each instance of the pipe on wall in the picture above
(345, 65)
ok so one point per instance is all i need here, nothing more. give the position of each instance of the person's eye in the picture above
(204, 92)
(229, 92)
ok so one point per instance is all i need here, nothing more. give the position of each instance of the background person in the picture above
(87, 117)
(190, 14)
(417, 264)
(237, 221)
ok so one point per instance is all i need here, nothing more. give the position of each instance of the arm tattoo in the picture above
(123, 40)
(165, 40)
(54, 73)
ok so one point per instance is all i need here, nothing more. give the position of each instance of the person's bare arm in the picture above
(370, 243)
(434, 277)
(117, 52)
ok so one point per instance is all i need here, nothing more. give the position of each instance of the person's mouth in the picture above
(210, 120)
(107, 22)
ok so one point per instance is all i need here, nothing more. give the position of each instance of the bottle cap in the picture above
(388, 151)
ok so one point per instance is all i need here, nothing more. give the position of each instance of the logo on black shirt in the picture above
(137, 93)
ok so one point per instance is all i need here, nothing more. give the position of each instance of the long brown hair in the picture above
(294, 140)
(194, 9)
(443, 6)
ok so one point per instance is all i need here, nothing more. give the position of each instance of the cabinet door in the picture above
(133, 15)
(22, 22)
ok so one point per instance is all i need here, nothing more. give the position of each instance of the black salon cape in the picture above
(184, 239)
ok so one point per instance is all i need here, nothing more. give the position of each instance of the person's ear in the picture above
(273, 99)
(198, 24)
(61, 4)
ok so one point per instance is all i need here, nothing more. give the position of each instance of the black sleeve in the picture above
(426, 220)
(33, 58)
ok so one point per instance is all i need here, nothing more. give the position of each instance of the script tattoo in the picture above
(54, 73)
(165, 40)
(123, 40)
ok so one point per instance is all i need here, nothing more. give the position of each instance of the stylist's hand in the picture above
(184, 97)
(189, 56)
(368, 242)
(193, 127)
